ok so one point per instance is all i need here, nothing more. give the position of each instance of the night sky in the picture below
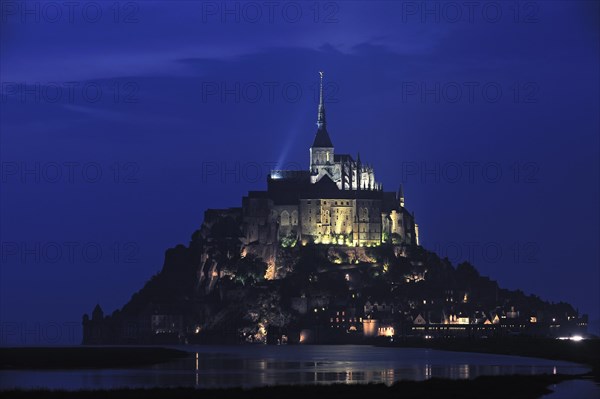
(120, 125)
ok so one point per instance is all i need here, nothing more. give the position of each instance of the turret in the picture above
(358, 171)
(97, 313)
(401, 196)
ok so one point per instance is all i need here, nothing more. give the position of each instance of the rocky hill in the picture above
(222, 289)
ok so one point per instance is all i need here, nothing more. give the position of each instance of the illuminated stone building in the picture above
(336, 201)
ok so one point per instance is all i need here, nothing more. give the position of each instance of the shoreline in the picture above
(490, 387)
(586, 352)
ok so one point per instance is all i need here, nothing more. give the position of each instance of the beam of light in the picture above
(283, 155)
(290, 139)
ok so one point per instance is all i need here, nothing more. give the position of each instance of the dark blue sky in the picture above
(116, 123)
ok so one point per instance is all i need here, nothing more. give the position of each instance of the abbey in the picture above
(336, 201)
(302, 262)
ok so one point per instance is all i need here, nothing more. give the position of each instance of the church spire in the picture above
(322, 139)
(321, 123)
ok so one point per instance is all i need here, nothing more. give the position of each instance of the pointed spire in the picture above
(321, 123)
(401, 195)
(97, 313)
(322, 139)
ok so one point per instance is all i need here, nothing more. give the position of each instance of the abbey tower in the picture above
(336, 201)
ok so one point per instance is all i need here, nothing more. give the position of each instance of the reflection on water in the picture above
(580, 389)
(234, 366)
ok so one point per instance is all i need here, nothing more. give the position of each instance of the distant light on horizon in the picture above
(575, 338)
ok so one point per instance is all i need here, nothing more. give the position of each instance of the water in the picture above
(579, 389)
(249, 366)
